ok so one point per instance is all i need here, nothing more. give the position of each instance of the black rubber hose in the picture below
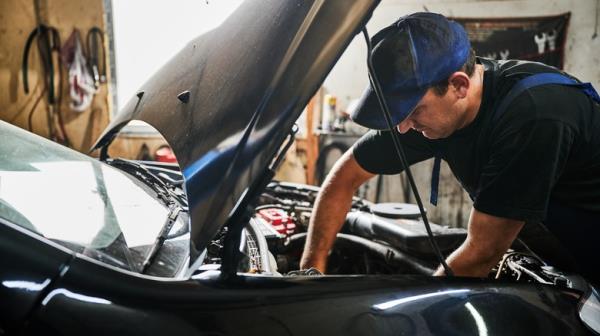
(24, 64)
(389, 254)
(400, 236)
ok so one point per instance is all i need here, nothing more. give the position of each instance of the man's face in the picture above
(434, 116)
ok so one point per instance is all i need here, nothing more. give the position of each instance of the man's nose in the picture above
(404, 126)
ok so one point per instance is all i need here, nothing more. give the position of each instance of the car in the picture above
(207, 246)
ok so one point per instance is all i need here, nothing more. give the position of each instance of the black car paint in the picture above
(92, 298)
(28, 269)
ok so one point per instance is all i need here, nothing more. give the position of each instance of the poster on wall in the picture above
(540, 39)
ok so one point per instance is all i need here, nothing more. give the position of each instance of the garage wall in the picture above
(17, 20)
(349, 77)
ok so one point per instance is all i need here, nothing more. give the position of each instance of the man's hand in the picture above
(332, 205)
(305, 272)
(488, 238)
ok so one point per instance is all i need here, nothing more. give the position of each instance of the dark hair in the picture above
(441, 88)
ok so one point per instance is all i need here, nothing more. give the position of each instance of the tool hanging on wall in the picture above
(95, 51)
(81, 82)
(48, 42)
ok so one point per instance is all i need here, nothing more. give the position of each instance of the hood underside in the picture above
(226, 102)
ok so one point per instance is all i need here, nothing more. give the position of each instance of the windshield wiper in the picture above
(163, 235)
(163, 190)
(176, 203)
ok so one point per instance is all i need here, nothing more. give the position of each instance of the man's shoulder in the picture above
(555, 102)
(514, 67)
(507, 73)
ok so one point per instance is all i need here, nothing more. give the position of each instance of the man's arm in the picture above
(332, 205)
(488, 238)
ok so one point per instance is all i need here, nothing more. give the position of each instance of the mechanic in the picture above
(526, 153)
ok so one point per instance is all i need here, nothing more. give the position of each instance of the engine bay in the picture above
(372, 241)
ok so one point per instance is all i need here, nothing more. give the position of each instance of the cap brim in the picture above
(368, 112)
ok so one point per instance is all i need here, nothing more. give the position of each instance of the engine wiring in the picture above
(400, 152)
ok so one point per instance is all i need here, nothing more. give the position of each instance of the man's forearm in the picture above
(488, 238)
(466, 261)
(328, 217)
(331, 207)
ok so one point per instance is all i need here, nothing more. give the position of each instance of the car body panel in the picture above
(103, 301)
(241, 87)
(83, 295)
(27, 270)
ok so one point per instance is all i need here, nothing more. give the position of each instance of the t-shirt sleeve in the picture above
(524, 166)
(376, 154)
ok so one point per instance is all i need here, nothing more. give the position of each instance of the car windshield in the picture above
(76, 200)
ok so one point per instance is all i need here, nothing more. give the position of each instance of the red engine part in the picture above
(281, 221)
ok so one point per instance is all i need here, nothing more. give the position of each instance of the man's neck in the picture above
(475, 95)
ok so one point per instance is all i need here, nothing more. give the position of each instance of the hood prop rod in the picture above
(400, 152)
(245, 210)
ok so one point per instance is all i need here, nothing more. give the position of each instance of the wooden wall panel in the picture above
(17, 20)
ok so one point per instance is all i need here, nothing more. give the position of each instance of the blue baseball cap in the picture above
(417, 51)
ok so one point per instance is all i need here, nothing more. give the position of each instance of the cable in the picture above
(386, 113)
(35, 104)
(61, 124)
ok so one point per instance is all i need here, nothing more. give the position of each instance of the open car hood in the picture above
(226, 102)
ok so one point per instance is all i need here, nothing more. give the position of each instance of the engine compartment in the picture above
(369, 243)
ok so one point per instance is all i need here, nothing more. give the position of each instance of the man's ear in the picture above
(460, 83)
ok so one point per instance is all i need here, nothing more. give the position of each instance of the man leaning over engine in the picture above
(522, 138)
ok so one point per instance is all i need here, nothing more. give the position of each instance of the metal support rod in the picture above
(400, 152)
